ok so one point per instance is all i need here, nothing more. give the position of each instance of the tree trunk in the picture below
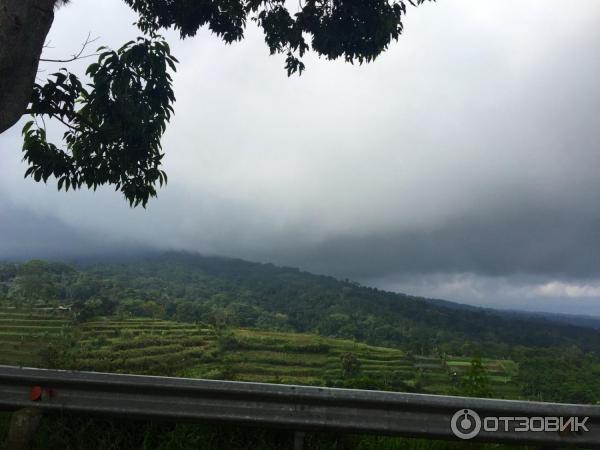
(24, 25)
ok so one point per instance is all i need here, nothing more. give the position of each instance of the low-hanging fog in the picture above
(462, 164)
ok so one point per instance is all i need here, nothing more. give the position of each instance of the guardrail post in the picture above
(23, 425)
(299, 440)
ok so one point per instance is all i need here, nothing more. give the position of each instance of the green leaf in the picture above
(27, 127)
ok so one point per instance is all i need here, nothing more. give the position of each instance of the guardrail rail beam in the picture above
(301, 408)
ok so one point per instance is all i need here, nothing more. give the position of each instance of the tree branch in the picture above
(56, 114)
(77, 55)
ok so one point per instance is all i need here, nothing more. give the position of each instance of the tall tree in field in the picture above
(114, 125)
(476, 383)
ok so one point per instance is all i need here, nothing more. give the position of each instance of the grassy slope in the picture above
(149, 346)
(24, 335)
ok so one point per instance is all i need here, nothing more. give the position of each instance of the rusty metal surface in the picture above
(273, 405)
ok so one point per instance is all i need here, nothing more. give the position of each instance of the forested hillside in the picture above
(203, 317)
(210, 290)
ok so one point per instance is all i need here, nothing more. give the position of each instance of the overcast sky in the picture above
(462, 164)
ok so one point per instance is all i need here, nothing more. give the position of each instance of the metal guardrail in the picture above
(271, 405)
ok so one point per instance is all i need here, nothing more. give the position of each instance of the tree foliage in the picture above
(115, 123)
(350, 365)
(353, 29)
(476, 382)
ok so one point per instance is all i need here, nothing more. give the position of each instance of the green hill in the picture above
(176, 299)
(194, 288)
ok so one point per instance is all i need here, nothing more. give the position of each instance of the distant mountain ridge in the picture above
(579, 320)
(571, 319)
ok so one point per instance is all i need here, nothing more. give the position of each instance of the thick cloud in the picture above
(469, 151)
(27, 235)
(527, 240)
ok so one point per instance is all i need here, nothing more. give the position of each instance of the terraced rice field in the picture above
(150, 346)
(26, 335)
(144, 346)
(295, 358)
